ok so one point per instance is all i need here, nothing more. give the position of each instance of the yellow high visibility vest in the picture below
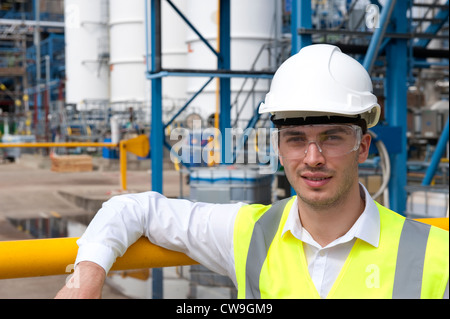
(411, 261)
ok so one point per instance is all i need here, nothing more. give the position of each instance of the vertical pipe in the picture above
(436, 158)
(123, 164)
(378, 35)
(216, 114)
(211, 155)
(37, 44)
(224, 63)
(295, 23)
(305, 22)
(157, 130)
(157, 136)
(300, 18)
(396, 106)
(47, 96)
(35, 115)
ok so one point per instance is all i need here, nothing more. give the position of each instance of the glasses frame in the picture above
(276, 140)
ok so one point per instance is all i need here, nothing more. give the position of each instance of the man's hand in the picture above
(85, 283)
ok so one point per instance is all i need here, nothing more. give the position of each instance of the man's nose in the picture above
(314, 155)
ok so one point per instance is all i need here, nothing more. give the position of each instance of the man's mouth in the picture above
(315, 180)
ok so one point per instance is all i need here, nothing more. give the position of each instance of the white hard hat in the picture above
(320, 80)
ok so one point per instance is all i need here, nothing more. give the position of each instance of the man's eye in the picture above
(295, 139)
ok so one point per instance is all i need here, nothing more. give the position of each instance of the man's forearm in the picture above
(85, 283)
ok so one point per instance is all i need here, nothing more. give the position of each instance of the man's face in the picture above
(321, 162)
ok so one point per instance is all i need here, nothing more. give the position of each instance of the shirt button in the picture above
(322, 253)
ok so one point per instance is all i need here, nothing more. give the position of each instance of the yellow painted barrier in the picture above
(46, 257)
(58, 144)
(438, 222)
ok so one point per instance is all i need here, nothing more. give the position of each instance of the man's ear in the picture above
(364, 148)
(281, 160)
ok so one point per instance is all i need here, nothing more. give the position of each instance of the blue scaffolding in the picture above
(403, 48)
(396, 39)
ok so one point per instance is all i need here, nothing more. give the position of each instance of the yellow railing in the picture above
(139, 146)
(45, 257)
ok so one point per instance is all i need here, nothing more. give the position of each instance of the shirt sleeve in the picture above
(203, 231)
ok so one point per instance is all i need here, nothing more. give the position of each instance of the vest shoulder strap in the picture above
(410, 260)
(263, 233)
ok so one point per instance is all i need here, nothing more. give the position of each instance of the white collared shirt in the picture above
(204, 232)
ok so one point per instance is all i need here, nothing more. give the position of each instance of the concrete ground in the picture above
(30, 190)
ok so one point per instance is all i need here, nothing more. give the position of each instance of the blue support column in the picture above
(375, 41)
(157, 130)
(301, 14)
(437, 155)
(224, 63)
(396, 104)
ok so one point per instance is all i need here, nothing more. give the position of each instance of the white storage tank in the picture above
(253, 24)
(127, 53)
(86, 37)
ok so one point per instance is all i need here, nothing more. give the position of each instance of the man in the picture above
(330, 241)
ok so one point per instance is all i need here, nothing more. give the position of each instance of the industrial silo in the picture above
(127, 54)
(86, 37)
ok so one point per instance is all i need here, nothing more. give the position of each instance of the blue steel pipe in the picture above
(436, 158)
(396, 104)
(378, 35)
(301, 14)
(224, 63)
(157, 131)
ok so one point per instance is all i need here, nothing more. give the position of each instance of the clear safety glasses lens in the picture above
(331, 140)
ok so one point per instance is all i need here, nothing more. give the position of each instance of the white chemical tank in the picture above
(86, 37)
(254, 23)
(127, 54)
(129, 86)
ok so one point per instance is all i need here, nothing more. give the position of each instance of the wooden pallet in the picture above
(72, 163)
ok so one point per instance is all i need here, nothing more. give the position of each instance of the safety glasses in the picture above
(332, 140)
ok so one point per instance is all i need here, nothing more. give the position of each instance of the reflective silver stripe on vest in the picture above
(263, 233)
(410, 257)
(410, 260)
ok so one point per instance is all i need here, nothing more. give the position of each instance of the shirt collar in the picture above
(366, 228)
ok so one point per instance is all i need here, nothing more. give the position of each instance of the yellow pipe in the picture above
(438, 222)
(123, 164)
(47, 257)
(61, 144)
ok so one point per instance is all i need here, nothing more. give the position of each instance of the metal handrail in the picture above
(58, 144)
(46, 257)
